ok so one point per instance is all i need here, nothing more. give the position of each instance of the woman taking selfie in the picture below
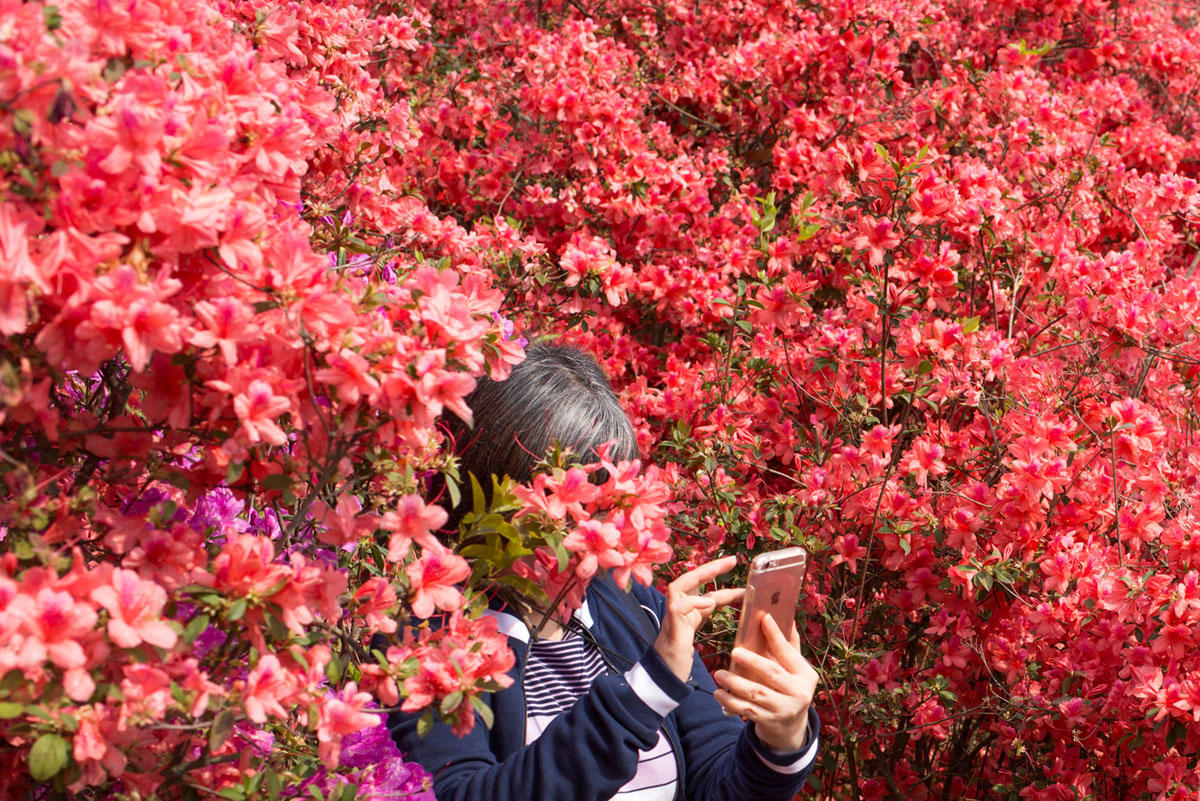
(614, 703)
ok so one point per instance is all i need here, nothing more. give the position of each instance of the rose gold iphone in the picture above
(773, 588)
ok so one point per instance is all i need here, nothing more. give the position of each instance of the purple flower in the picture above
(378, 769)
(254, 737)
(365, 748)
(143, 503)
(209, 640)
(217, 511)
(265, 524)
(506, 325)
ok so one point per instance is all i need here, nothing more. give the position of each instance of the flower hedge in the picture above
(913, 285)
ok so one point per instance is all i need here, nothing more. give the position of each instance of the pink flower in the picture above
(17, 272)
(95, 744)
(375, 600)
(924, 460)
(227, 322)
(432, 579)
(877, 236)
(137, 312)
(246, 565)
(848, 552)
(310, 590)
(341, 714)
(54, 623)
(411, 520)
(349, 373)
(132, 130)
(135, 611)
(342, 525)
(258, 408)
(595, 543)
(268, 686)
(147, 693)
(440, 388)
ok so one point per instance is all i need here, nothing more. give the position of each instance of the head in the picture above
(557, 394)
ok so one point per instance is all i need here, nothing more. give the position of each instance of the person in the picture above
(613, 703)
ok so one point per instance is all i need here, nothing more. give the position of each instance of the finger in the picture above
(727, 596)
(785, 653)
(687, 603)
(692, 579)
(757, 667)
(754, 693)
(740, 707)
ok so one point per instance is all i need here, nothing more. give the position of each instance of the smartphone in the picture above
(773, 588)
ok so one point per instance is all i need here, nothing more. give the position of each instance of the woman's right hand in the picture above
(687, 609)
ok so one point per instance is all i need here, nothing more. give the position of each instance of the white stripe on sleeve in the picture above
(651, 694)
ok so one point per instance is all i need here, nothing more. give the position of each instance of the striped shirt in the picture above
(557, 673)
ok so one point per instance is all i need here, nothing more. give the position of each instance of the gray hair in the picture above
(558, 394)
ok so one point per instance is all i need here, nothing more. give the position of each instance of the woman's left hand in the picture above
(773, 692)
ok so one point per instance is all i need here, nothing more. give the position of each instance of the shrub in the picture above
(912, 285)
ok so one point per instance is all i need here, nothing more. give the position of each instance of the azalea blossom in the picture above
(135, 611)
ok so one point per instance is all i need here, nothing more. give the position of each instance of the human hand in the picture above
(687, 609)
(773, 691)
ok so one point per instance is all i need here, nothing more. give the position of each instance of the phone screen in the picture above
(773, 588)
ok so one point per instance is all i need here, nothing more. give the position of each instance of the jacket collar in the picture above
(514, 628)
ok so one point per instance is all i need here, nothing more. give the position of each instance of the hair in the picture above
(557, 394)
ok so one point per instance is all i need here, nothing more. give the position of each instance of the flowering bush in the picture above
(221, 388)
(910, 284)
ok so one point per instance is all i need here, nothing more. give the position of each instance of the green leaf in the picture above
(276, 481)
(195, 627)
(114, 69)
(47, 757)
(39, 712)
(12, 680)
(279, 631)
(483, 710)
(481, 552)
(451, 702)
(222, 728)
(234, 793)
(453, 491)
(478, 502)
(9, 710)
(181, 480)
(969, 324)
(52, 18)
(238, 609)
(274, 785)
(924, 367)
(333, 670)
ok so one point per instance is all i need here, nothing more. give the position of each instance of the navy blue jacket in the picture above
(591, 751)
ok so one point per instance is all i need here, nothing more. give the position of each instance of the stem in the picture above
(1116, 498)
